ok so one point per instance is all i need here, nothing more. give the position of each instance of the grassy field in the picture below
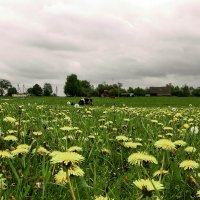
(120, 149)
(131, 101)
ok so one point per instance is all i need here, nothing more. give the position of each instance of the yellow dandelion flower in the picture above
(41, 150)
(148, 185)
(9, 119)
(75, 149)
(105, 150)
(10, 138)
(154, 121)
(160, 172)
(186, 126)
(76, 171)
(23, 146)
(132, 145)
(102, 198)
(54, 153)
(67, 157)
(10, 131)
(18, 151)
(165, 144)
(2, 183)
(140, 157)
(190, 149)
(61, 177)
(121, 138)
(66, 128)
(37, 133)
(138, 139)
(189, 164)
(5, 154)
(68, 137)
(180, 143)
(168, 128)
(198, 193)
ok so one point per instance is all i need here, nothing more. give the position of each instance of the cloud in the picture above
(138, 43)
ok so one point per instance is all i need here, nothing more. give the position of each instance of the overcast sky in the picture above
(135, 42)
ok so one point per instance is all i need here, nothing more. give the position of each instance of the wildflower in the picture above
(102, 198)
(160, 172)
(154, 121)
(76, 171)
(9, 119)
(67, 157)
(68, 137)
(180, 143)
(165, 144)
(121, 138)
(76, 105)
(186, 126)
(37, 133)
(132, 145)
(189, 164)
(5, 154)
(190, 149)
(75, 149)
(198, 193)
(148, 185)
(2, 183)
(61, 177)
(105, 150)
(194, 129)
(67, 128)
(41, 150)
(140, 157)
(10, 138)
(168, 128)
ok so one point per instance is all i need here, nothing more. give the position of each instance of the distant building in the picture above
(160, 91)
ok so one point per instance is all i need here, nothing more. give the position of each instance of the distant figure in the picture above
(85, 101)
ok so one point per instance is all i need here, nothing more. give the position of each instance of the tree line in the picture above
(7, 89)
(75, 87)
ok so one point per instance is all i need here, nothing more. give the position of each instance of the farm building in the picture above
(160, 91)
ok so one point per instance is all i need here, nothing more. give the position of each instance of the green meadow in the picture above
(118, 149)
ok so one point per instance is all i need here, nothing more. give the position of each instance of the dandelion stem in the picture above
(71, 187)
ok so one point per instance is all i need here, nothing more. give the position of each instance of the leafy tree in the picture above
(30, 91)
(130, 90)
(11, 91)
(185, 91)
(72, 86)
(139, 91)
(37, 90)
(86, 88)
(196, 92)
(4, 85)
(47, 89)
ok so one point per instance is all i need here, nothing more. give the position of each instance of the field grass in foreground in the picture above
(119, 149)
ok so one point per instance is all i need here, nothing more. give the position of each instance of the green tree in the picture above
(47, 89)
(86, 88)
(37, 90)
(30, 91)
(139, 91)
(196, 92)
(4, 86)
(185, 91)
(11, 91)
(72, 86)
